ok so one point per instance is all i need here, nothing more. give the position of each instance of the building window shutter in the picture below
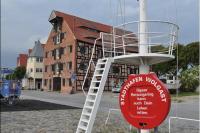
(63, 81)
(62, 35)
(54, 40)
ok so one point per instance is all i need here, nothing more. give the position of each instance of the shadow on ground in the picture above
(31, 105)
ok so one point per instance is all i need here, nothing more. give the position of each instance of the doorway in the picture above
(57, 84)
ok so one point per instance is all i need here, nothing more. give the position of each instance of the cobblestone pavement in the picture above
(34, 116)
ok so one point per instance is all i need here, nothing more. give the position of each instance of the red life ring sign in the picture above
(144, 101)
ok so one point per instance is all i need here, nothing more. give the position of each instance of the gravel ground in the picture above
(34, 116)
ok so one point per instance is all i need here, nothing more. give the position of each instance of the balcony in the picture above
(123, 44)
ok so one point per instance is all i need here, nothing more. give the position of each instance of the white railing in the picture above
(90, 62)
(124, 38)
(181, 118)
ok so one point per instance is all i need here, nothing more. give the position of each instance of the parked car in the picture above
(117, 85)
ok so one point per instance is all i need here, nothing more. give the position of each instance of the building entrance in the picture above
(56, 83)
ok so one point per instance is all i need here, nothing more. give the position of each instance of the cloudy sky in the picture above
(25, 21)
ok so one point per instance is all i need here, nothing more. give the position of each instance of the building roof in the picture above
(37, 51)
(80, 27)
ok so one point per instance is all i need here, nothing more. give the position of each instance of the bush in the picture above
(190, 79)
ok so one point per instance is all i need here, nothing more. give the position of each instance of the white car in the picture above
(117, 87)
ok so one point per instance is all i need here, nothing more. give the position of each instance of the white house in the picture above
(35, 67)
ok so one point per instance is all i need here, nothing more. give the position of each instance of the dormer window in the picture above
(57, 27)
(57, 24)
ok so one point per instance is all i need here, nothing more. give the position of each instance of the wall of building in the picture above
(68, 41)
(76, 30)
(34, 71)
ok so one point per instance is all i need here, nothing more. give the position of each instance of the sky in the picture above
(25, 21)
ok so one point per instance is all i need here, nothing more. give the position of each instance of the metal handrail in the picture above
(91, 61)
(147, 21)
(121, 40)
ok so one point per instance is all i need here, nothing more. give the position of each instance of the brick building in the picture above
(68, 50)
(22, 60)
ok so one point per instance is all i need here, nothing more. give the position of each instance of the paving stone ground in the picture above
(34, 116)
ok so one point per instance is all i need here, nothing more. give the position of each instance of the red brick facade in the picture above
(22, 60)
(62, 51)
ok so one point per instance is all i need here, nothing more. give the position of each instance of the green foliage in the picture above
(20, 72)
(187, 55)
(168, 67)
(158, 48)
(10, 76)
(190, 79)
(192, 53)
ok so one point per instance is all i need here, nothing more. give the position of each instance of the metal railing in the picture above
(90, 62)
(124, 39)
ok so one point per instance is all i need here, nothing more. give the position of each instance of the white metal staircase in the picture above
(122, 46)
(94, 95)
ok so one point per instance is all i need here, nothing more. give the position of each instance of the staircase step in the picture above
(97, 81)
(98, 75)
(100, 69)
(84, 120)
(89, 100)
(92, 94)
(82, 127)
(88, 107)
(87, 114)
(94, 88)
(101, 63)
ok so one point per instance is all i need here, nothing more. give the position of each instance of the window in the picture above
(69, 65)
(61, 52)
(41, 59)
(83, 65)
(69, 82)
(53, 68)
(63, 81)
(31, 70)
(70, 49)
(45, 69)
(38, 70)
(61, 66)
(115, 69)
(58, 38)
(52, 53)
(57, 26)
(83, 48)
(57, 53)
(57, 67)
(37, 59)
(46, 54)
(45, 82)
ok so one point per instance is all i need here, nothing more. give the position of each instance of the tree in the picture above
(191, 53)
(190, 79)
(187, 55)
(10, 76)
(170, 67)
(20, 72)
